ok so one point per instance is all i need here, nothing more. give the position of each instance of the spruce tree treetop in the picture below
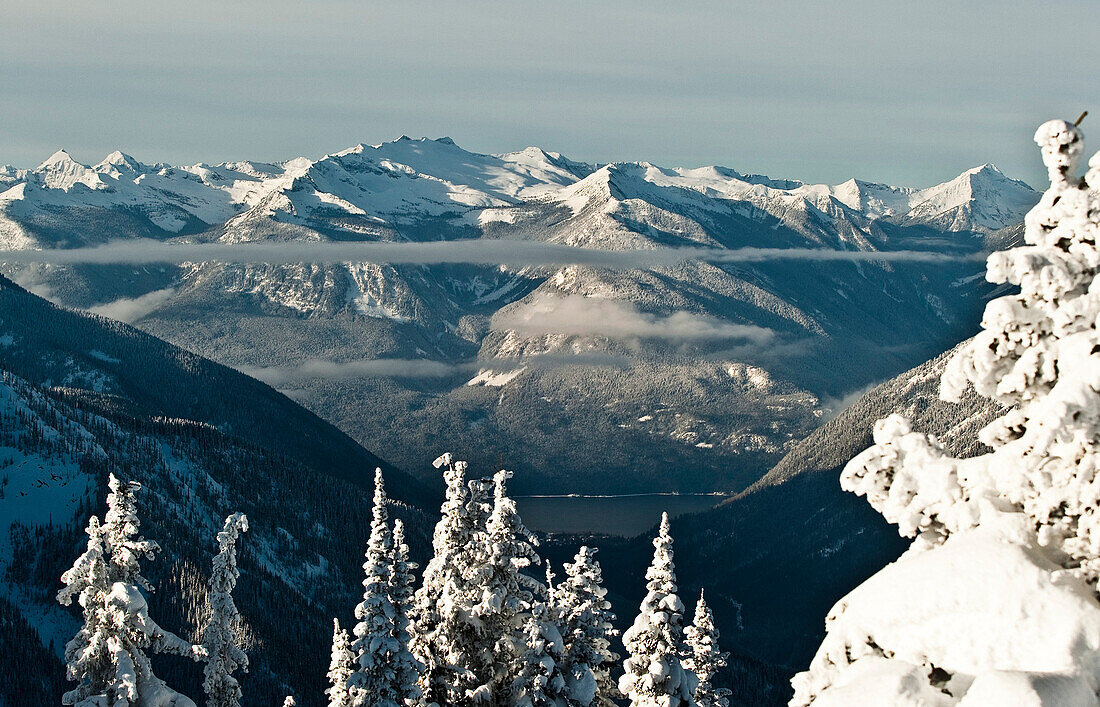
(220, 640)
(705, 659)
(653, 674)
(340, 667)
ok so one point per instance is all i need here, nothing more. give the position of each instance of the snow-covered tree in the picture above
(704, 658)
(223, 651)
(374, 681)
(506, 594)
(445, 636)
(340, 667)
(654, 675)
(1007, 542)
(107, 657)
(586, 621)
(1037, 353)
(407, 669)
(539, 681)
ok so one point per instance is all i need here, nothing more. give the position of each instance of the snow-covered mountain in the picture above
(714, 367)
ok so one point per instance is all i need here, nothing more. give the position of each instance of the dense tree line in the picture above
(480, 630)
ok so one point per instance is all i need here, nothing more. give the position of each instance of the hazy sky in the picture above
(907, 93)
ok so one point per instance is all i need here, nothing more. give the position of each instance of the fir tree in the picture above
(705, 659)
(445, 636)
(654, 676)
(374, 681)
(586, 619)
(539, 682)
(107, 656)
(340, 667)
(407, 669)
(223, 653)
(505, 549)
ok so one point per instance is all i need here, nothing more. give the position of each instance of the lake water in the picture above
(607, 515)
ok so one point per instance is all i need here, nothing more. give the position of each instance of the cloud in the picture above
(479, 251)
(576, 315)
(835, 406)
(277, 376)
(130, 310)
(326, 369)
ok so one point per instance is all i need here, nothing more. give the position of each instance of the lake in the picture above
(607, 515)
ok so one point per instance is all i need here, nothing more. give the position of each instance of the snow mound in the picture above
(933, 609)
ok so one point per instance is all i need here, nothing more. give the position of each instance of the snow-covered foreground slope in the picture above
(989, 609)
(996, 601)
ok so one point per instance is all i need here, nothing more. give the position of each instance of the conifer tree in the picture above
(445, 635)
(374, 681)
(654, 676)
(704, 658)
(539, 681)
(107, 656)
(407, 669)
(223, 652)
(340, 667)
(505, 549)
(587, 630)
(1037, 355)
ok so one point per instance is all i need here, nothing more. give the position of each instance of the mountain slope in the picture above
(141, 376)
(94, 397)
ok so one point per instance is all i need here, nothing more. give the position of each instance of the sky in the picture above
(906, 93)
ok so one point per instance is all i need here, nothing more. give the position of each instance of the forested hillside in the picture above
(94, 397)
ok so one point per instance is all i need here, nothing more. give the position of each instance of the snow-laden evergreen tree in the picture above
(223, 651)
(586, 623)
(340, 667)
(704, 657)
(654, 675)
(407, 669)
(539, 682)
(1007, 542)
(1037, 354)
(374, 681)
(506, 594)
(445, 634)
(107, 657)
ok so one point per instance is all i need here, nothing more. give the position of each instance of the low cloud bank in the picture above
(576, 315)
(318, 368)
(130, 310)
(480, 252)
(277, 376)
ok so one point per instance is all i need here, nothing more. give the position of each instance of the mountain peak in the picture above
(119, 159)
(61, 158)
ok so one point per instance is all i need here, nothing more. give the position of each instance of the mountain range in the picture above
(696, 375)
